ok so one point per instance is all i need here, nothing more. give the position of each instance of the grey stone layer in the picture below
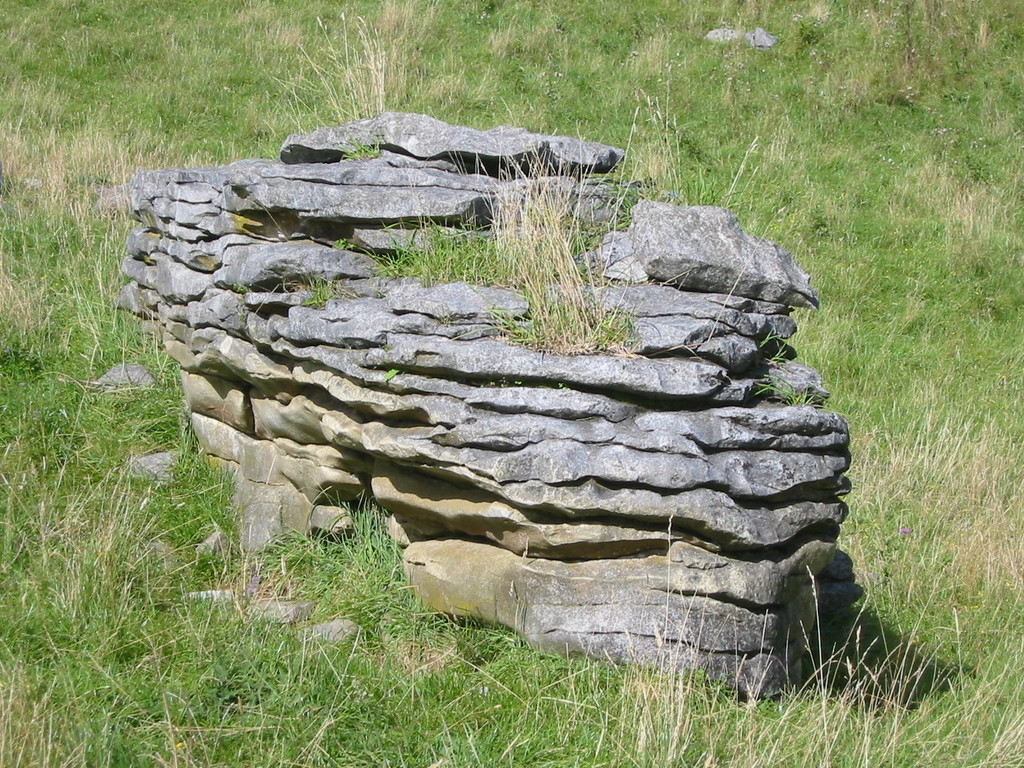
(265, 266)
(498, 151)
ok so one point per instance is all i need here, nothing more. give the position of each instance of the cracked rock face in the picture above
(672, 506)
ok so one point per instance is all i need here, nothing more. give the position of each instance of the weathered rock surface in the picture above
(642, 610)
(275, 266)
(703, 248)
(217, 544)
(759, 38)
(676, 505)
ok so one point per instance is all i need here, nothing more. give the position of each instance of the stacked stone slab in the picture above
(667, 507)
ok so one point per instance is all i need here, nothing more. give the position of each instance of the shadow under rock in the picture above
(854, 655)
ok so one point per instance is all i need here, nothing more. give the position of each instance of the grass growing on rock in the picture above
(879, 142)
(534, 245)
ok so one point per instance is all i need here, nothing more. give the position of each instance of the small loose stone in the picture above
(723, 35)
(282, 611)
(217, 543)
(162, 554)
(156, 467)
(336, 631)
(126, 375)
(760, 40)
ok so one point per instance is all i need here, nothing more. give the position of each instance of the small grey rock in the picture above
(212, 596)
(723, 35)
(336, 631)
(760, 39)
(217, 544)
(158, 467)
(330, 519)
(703, 248)
(126, 375)
(282, 611)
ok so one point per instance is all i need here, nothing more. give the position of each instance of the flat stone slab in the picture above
(498, 151)
(297, 264)
(358, 191)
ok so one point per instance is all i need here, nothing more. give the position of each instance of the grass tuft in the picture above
(535, 244)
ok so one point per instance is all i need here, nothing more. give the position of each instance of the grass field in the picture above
(881, 141)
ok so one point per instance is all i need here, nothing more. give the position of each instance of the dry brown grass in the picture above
(30, 727)
(367, 66)
(537, 234)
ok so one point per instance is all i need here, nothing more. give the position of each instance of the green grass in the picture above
(879, 142)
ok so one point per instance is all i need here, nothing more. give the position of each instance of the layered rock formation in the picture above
(669, 507)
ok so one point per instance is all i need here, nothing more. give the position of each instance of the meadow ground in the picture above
(880, 141)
